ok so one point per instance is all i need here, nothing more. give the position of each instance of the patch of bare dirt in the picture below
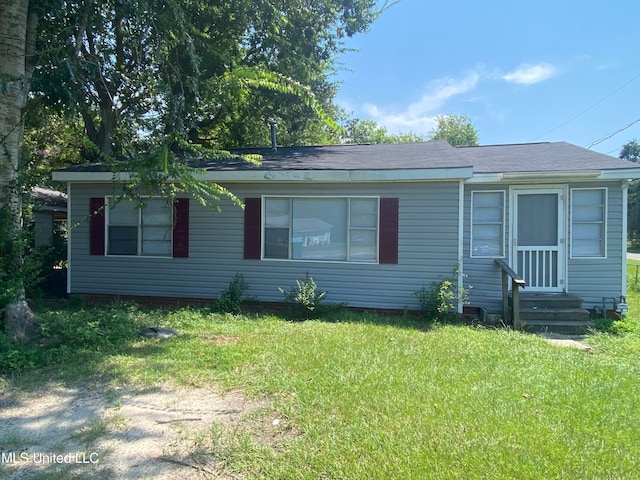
(79, 432)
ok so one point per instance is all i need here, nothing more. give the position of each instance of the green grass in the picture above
(625, 341)
(368, 396)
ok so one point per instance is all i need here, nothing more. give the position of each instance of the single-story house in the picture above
(371, 224)
(50, 207)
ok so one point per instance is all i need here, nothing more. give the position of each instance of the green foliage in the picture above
(146, 176)
(439, 302)
(304, 299)
(35, 273)
(210, 72)
(16, 356)
(616, 326)
(16, 271)
(369, 132)
(73, 330)
(455, 129)
(92, 328)
(631, 151)
(630, 323)
(52, 139)
(231, 299)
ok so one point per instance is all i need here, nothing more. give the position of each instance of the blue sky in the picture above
(521, 70)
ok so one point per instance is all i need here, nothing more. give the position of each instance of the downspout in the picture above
(625, 195)
(460, 266)
(68, 238)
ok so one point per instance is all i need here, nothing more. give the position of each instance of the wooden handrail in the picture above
(516, 283)
(511, 272)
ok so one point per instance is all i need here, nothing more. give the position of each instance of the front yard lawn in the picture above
(366, 396)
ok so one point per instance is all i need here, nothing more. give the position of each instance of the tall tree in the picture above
(173, 68)
(455, 129)
(368, 131)
(631, 151)
(155, 80)
(17, 50)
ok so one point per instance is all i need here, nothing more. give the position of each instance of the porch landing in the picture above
(553, 312)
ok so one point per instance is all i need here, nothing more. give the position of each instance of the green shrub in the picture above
(15, 356)
(100, 327)
(439, 301)
(615, 326)
(304, 299)
(231, 299)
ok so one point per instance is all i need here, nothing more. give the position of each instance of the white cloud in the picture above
(529, 74)
(420, 116)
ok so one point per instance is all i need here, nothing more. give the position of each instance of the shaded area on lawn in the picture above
(361, 395)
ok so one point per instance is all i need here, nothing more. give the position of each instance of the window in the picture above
(140, 229)
(324, 228)
(588, 222)
(487, 224)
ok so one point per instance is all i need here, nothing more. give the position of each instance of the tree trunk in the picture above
(14, 87)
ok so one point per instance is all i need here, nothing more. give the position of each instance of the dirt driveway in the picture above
(80, 432)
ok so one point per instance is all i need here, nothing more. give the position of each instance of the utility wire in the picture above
(586, 110)
(611, 151)
(607, 137)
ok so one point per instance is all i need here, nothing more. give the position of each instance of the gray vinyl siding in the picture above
(590, 279)
(482, 274)
(427, 250)
(593, 279)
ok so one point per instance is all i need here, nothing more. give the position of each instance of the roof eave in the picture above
(224, 176)
(568, 175)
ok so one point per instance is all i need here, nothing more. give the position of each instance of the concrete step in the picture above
(549, 300)
(567, 327)
(555, 314)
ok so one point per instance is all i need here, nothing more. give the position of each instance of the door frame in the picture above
(562, 267)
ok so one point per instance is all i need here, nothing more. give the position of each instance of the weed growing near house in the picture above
(304, 300)
(622, 337)
(231, 299)
(439, 302)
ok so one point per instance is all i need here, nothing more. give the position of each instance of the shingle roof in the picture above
(438, 154)
(530, 157)
(539, 157)
(49, 198)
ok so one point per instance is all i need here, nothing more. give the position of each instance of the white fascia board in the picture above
(621, 174)
(456, 173)
(566, 176)
(91, 177)
(341, 176)
(485, 178)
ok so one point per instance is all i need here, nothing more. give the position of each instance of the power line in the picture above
(585, 111)
(611, 151)
(607, 137)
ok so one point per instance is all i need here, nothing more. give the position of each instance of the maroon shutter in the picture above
(96, 225)
(388, 241)
(181, 227)
(252, 228)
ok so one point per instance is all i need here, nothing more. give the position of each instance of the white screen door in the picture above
(538, 238)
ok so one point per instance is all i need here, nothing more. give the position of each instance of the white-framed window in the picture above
(341, 229)
(487, 223)
(139, 229)
(588, 222)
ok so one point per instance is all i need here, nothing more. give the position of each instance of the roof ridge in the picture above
(507, 144)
